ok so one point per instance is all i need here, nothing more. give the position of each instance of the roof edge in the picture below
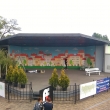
(54, 35)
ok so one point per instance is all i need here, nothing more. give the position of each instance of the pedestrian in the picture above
(65, 62)
(48, 104)
(38, 105)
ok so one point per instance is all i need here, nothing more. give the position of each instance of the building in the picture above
(49, 50)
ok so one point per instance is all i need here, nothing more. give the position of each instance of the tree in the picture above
(8, 61)
(2, 57)
(5, 60)
(71, 62)
(89, 62)
(24, 62)
(105, 37)
(8, 27)
(50, 63)
(99, 36)
(53, 81)
(64, 80)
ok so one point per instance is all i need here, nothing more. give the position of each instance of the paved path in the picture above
(98, 102)
(40, 80)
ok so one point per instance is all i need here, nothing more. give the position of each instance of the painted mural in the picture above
(53, 56)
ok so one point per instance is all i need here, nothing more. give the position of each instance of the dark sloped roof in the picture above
(52, 39)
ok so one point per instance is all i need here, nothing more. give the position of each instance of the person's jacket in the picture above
(48, 106)
(38, 106)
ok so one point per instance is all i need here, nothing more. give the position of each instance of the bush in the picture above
(53, 81)
(22, 79)
(15, 75)
(63, 79)
(9, 74)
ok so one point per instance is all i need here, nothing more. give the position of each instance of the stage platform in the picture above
(40, 80)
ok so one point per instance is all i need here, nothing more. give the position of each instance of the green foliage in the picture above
(50, 67)
(22, 79)
(89, 62)
(7, 27)
(53, 81)
(15, 74)
(9, 74)
(5, 59)
(2, 56)
(45, 63)
(99, 36)
(71, 62)
(105, 37)
(13, 62)
(24, 62)
(63, 79)
(50, 63)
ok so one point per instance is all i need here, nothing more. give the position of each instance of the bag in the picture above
(36, 107)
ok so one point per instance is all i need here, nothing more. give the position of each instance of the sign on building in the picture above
(102, 85)
(87, 89)
(48, 91)
(2, 89)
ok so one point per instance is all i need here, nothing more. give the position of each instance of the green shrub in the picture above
(63, 79)
(53, 81)
(9, 74)
(15, 74)
(22, 79)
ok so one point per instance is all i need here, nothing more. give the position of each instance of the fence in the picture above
(76, 92)
(71, 94)
(18, 93)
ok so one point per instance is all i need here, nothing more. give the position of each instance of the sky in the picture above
(59, 16)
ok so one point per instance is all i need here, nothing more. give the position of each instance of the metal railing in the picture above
(71, 94)
(18, 93)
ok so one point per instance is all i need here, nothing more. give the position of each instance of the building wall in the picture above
(107, 59)
(53, 56)
(99, 57)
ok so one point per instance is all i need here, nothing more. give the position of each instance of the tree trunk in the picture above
(0, 71)
(6, 69)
